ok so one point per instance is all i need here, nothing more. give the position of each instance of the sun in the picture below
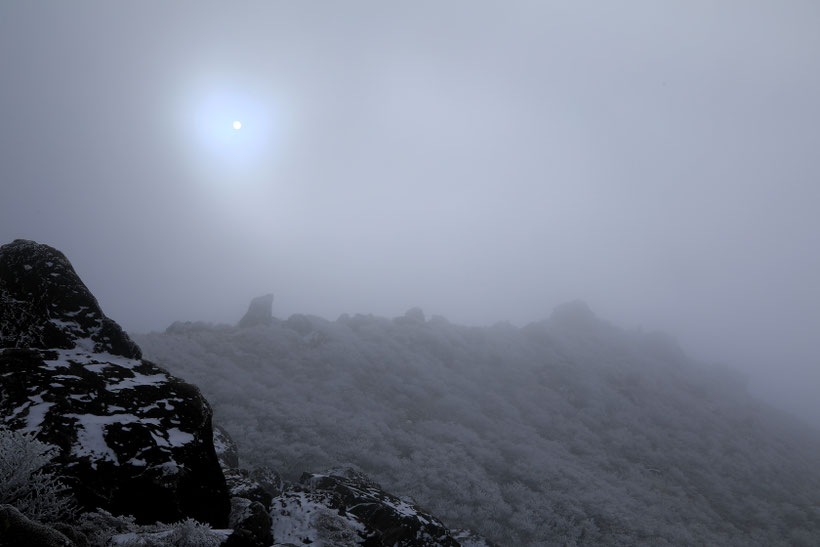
(237, 125)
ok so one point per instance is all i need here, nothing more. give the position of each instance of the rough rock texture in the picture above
(260, 312)
(344, 507)
(45, 305)
(18, 531)
(260, 484)
(251, 524)
(225, 448)
(133, 439)
(251, 495)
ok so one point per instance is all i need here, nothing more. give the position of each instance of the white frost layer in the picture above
(177, 437)
(97, 362)
(36, 415)
(299, 520)
(153, 538)
(91, 434)
(137, 381)
(83, 354)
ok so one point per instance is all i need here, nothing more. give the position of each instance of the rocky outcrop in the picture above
(251, 494)
(344, 507)
(132, 438)
(251, 524)
(260, 312)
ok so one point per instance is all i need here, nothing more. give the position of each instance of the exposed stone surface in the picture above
(133, 439)
(17, 531)
(259, 485)
(260, 312)
(344, 507)
(251, 523)
(225, 449)
(251, 495)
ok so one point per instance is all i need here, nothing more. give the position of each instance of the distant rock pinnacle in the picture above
(260, 312)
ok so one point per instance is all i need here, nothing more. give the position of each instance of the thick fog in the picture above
(483, 160)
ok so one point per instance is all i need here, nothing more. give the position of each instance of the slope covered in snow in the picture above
(567, 431)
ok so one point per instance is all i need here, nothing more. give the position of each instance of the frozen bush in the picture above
(24, 481)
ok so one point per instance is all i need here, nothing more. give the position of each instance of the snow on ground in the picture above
(298, 519)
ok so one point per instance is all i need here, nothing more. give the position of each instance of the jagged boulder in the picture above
(225, 448)
(132, 438)
(251, 494)
(45, 305)
(260, 312)
(251, 524)
(344, 507)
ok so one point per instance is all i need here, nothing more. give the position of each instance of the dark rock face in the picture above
(251, 494)
(45, 305)
(260, 312)
(251, 524)
(133, 439)
(344, 507)
(16, 530)
(225, 448)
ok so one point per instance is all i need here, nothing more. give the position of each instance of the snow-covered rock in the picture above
(45, 305)
(133, 439)
(344, 507)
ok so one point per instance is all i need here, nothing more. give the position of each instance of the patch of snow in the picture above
(169, 468)
(36, 415)
(86, 344)
(75, 313)
(137, 381)
(65, 324)
(18, 410)
(91, 435)
(405, 510)
(298, 519)
(160, 441)
(178, 437)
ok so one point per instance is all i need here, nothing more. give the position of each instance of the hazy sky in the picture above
(483, 160)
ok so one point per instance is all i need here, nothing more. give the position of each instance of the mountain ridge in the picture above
(565, 430)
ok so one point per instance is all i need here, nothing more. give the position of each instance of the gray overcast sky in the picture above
(483, 160)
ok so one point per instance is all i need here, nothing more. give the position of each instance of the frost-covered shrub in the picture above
(104, 529)
(190, 533)
(24, 481)
(564, 432)
(101, 525)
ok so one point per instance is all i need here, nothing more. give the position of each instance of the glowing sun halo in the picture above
(237, 125)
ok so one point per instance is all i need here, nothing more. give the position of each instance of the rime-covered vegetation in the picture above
(566, 431)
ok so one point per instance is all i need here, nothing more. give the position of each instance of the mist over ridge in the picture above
(569, 429)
